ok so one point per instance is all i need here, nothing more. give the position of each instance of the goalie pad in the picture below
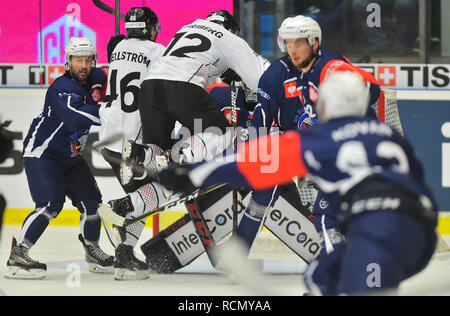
(178, 245)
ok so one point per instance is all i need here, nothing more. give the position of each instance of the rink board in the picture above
(423, 114)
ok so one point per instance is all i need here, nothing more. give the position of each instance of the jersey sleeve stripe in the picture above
(340, 65)
(87, 115)
(271, 160)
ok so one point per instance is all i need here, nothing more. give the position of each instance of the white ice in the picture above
(67, 273)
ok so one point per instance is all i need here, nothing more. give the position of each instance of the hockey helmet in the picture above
(80, 46)
(140, 21)
(342, 94)
(299, 27)
(224, 18)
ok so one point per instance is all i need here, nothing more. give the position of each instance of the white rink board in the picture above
(22, 105)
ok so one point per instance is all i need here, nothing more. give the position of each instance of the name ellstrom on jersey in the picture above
(131, 57)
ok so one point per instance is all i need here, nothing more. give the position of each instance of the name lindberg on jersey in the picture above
(130, 56)
(217, 33)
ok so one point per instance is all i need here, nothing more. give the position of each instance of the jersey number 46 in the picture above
(124, 89)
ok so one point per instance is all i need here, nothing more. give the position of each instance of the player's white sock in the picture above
(144, 199)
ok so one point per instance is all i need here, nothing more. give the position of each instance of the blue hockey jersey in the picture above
(337, 155)
(70, 109)
(222, 98)
(285, 94)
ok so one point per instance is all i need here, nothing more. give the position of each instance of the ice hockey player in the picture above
(287, 95)
(54, 165)
(386, 211)
(130, 61)
(174, 90)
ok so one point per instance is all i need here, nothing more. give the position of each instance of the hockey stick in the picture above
(97, 145)
(107, 8)
(234, 122)
(109, 215)
(202, 229)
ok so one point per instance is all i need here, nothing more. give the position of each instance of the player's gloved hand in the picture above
(229, 76)
(176, 178)
(112, 43)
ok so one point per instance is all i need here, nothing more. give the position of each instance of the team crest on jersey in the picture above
(78, 141)
(96, 95)
(290, 89)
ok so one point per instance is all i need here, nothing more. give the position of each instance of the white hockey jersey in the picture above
(203, 50)
(119, 112)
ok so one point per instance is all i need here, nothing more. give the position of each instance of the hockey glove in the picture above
(112, 43)
(176, 178)
(229, 76)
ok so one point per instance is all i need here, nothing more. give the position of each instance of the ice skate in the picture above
(98, 261)
(134, 162)
(127, 266)
(21, 266)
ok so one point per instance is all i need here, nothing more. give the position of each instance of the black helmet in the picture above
(139, 22)
(224, 18)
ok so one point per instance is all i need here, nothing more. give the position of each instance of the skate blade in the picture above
(121, 274)
(95, 268)
(126, 173)
(20, 273)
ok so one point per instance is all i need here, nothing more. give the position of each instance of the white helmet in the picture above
(80, 46)
(299, 27)
(342, 94)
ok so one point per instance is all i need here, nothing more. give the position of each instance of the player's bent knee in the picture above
(52, 210)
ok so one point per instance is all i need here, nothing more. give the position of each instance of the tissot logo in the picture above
(4, 73)
(37, 75)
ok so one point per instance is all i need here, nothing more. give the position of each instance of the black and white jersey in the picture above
(119, 112)
(203, 50)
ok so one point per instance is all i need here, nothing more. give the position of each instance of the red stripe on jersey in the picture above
(340, 65)
(105, 85)
(271, 160)
(382, 107)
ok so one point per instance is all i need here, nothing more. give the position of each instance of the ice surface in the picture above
(68, 275)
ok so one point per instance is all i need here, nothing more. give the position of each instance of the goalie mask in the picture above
(140, 21)
(342, 94)
(224, 18)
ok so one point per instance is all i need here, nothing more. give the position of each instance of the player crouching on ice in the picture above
(387, 214)
(54, 165)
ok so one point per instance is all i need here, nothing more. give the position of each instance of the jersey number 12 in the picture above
(203, 46)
